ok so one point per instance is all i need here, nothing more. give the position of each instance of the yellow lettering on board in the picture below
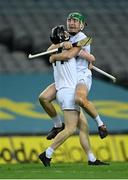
(17, 149)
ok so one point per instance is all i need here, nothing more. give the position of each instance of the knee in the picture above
(42, 98)
(81, 101)
(70, 131)
(78, 100)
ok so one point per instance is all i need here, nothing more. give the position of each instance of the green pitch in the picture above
(116, 170)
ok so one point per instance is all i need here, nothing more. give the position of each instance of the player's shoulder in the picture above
(81, 35)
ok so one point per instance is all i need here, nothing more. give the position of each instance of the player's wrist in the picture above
(81, 53)
(62, 45)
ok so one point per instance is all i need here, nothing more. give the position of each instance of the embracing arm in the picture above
(65, 45)
(72, 52)
(65, 55)
(86, 55)
(54, 46)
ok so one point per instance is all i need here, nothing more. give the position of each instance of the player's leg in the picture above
(45, 99)
(84, 135)
(65, 98)
(81, 99)
(71, 121)
(85, 142)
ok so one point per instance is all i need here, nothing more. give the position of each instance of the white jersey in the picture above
(68, 73)
(82, 64)
(65, 74)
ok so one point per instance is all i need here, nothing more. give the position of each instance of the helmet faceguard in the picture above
(58, 35)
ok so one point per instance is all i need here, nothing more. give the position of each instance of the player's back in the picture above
(65, 74)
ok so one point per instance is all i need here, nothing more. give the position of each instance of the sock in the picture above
(91, 157)
(49, 152)
(99, 121)
(57, 121)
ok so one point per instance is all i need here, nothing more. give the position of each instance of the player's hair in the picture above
(78, 16)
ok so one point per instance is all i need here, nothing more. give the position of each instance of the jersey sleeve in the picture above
(80, 36)
(87, 48)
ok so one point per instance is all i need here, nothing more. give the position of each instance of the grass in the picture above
(116, 170)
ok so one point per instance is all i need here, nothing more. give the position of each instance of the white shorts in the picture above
(66, 99)
(86, 79)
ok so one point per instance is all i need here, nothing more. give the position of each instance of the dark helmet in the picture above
(58, 34)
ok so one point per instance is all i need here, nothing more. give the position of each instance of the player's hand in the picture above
(52, 59)
(90, 66)
(67, 45)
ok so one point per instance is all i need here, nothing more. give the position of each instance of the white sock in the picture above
(49, 152)
(57, 121)
(91, 157)
(99, 121)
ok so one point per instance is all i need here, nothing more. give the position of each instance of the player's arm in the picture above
(53, 46)
(86, 55)
(65, 55)
(65, 45)
(69, 54)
